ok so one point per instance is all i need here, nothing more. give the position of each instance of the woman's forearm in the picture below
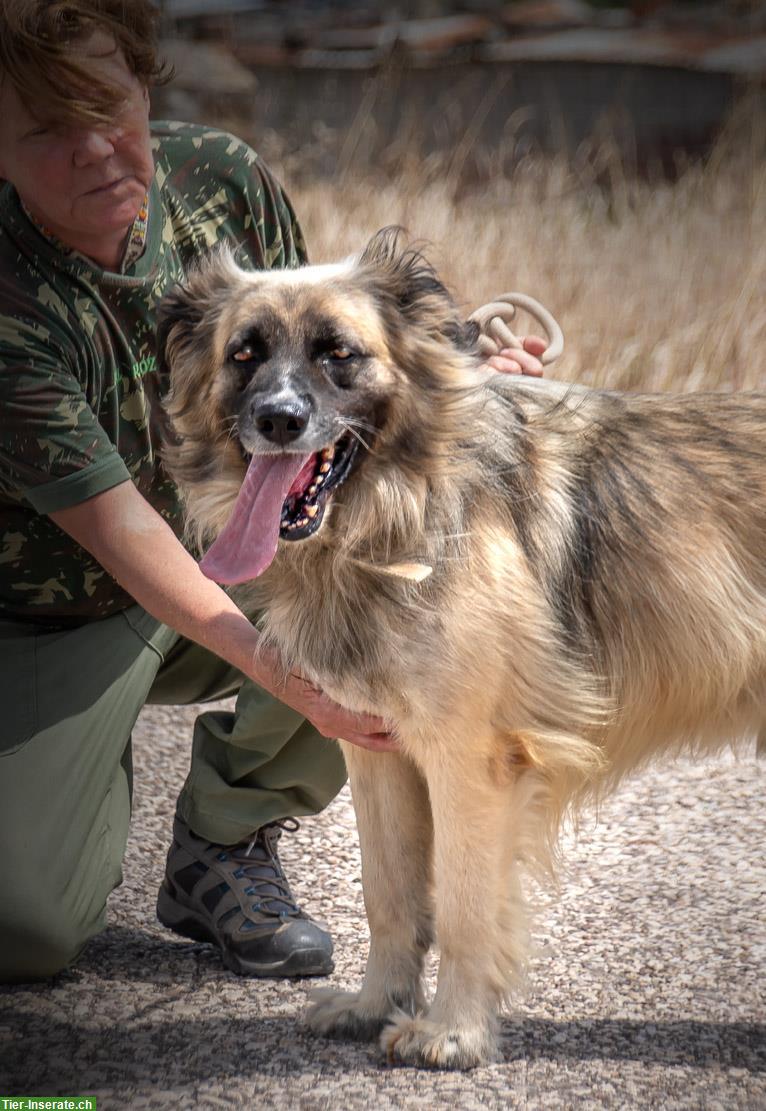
(139, 550)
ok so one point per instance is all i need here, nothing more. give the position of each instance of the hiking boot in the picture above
(238, 898)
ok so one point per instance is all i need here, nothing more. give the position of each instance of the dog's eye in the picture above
(339, 354)
(244, 354)
(339, 362)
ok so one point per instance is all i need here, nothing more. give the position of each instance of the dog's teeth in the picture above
(319, 479)
(302, 522)
(328, 452)
(312, 489)
(312, 510)
(325, 468)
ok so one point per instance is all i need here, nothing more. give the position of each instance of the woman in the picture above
(101, 607)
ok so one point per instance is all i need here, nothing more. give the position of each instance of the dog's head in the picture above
(310, 380)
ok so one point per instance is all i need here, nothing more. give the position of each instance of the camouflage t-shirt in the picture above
(80, 393)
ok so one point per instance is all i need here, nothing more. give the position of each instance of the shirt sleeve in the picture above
(288, 247)
(231, 194)
(53, 452)
(276, 240)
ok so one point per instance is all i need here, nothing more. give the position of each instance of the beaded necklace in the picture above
(134, 246)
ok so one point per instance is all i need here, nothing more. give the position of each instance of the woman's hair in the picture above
(41, 54)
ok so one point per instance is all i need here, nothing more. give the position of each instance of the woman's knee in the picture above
(39, 948)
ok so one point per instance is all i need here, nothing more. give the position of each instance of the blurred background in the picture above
(606, 157)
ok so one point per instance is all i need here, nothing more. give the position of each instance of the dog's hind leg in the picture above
(482, 815)
(395, 835)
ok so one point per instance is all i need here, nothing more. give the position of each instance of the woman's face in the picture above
(82, 182)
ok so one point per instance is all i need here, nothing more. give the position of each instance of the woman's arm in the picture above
(139, 550)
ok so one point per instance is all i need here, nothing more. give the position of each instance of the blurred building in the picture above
(344, 79)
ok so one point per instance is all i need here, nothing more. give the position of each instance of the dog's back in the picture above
(643, 519)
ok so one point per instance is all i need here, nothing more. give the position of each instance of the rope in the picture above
(495, 334)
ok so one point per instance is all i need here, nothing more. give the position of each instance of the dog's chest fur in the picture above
(348, 629)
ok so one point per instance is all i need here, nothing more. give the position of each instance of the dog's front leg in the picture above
(395, 836)
(480, 920)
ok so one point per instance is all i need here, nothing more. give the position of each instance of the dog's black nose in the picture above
(283, 421)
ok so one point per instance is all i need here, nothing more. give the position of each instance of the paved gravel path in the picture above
(650, 992)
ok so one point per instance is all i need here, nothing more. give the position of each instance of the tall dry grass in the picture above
(657, 285)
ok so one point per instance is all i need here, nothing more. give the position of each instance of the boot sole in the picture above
(184, 922)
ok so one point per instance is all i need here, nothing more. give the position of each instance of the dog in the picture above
(542, 586)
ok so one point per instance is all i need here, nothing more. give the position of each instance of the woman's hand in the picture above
(512, 360)
(333, 720)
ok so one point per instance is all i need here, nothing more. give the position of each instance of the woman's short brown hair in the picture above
(39, 42)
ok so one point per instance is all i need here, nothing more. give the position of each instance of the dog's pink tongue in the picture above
(248, 542)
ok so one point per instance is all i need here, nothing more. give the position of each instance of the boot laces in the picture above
(261, 865)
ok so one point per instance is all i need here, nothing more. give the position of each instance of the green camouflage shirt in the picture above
(80, 407)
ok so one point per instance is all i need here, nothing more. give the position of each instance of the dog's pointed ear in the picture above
(409, 277)
(178, 314)
(189, 303)
(385, 246)
(402, 279)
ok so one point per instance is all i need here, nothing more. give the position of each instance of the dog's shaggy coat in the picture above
(598, 594)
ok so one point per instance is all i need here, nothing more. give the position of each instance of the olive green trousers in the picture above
(70, 699)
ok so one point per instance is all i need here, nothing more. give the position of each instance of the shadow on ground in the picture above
(46, 1051)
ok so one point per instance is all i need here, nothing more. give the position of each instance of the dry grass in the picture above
(657, 286)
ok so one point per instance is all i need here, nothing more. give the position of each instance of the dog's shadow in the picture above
(54, 1048)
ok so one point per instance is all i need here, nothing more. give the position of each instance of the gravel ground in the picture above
(648, 992)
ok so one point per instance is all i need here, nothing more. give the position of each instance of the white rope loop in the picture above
(495, 334)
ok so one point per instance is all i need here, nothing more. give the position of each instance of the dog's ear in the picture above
(192, 303)
(178, 315)
(410, 278)
(403, 280)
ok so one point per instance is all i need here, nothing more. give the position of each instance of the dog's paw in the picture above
(344, 1014)
(420, 1041)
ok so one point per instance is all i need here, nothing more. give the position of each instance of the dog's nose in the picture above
(281, 422)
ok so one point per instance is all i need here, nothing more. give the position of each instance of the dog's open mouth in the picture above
(281, 497)
(306, 500)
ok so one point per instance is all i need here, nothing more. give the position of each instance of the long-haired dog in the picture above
(541, 585)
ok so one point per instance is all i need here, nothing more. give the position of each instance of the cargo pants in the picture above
(70, 699)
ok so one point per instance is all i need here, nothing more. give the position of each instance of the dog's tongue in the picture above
(248, 541)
